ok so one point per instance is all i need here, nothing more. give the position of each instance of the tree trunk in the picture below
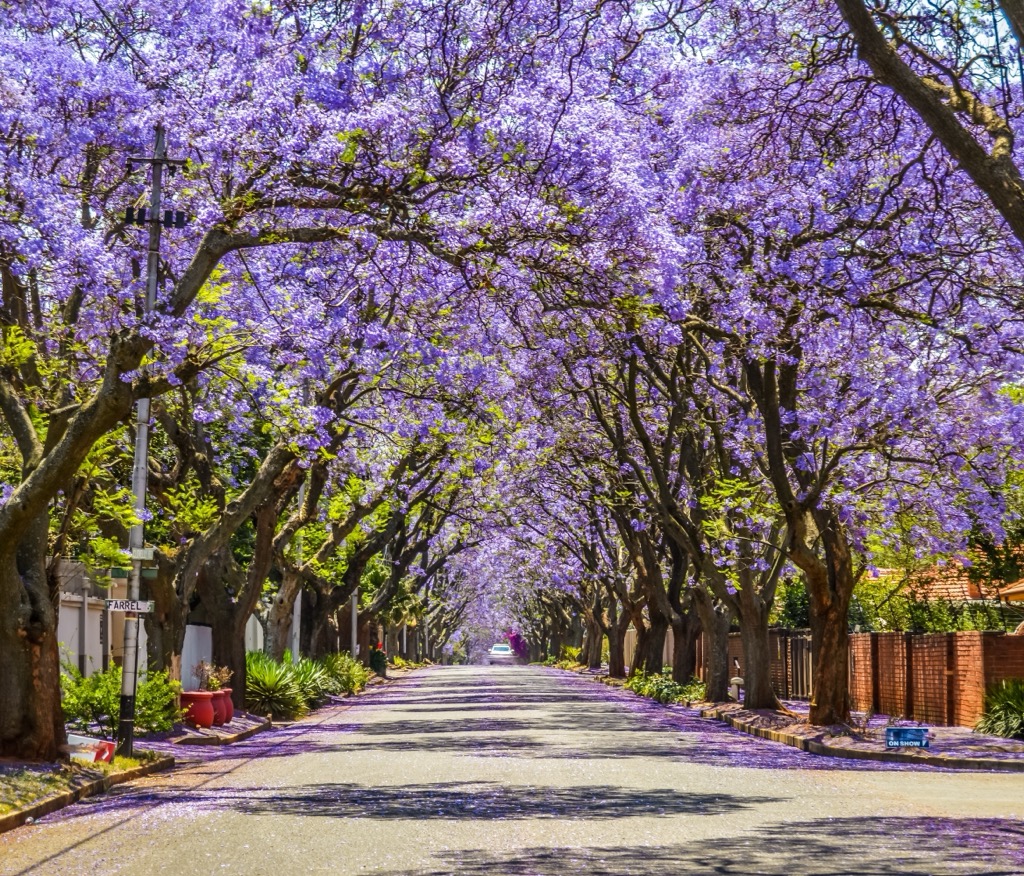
(594, 639)
(685, 631)
(368, 637)
(229, 650)
(715, 619)
(165, 627)
(758, 692)
(651, 648)
(830, 655)
(323, 627)
(555, 646)
(31, 718)
(830, 587)
(617, 640)
(279, 619)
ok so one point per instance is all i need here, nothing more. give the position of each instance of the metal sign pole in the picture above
(140, 470)
(355, 624)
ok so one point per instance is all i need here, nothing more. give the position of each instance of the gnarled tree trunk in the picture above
(31, 719)
(686, 629)
(279, 619)
(715, 618)
(758, 692)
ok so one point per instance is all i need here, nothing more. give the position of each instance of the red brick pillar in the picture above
(875, 685)
(908, 651)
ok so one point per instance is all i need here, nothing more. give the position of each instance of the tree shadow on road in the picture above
(825, 847)
(472, 801)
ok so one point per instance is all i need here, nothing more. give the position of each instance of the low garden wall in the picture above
(938, 678)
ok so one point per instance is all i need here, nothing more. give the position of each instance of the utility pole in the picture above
(354, 612)
(140, 469)
(295, 637)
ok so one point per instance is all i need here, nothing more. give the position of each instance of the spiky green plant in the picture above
(1004, 710)
(271, 688)
(313, 681)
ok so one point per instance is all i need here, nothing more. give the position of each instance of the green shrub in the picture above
(1004, 710)
(662, 688)
(156, 703)
(95, 702)
(348, 675)
(569, 654)
(314, 682)
(271, 688)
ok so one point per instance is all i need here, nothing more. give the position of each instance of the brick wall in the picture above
(937, 678)
(1004, 657)
(931, 697)
(892, 674)
(969, 677)
(862, 671)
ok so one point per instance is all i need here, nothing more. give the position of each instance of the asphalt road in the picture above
(511, 770)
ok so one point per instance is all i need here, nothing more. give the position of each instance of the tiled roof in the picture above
(951, 582)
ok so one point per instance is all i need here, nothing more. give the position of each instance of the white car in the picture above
(501, 654)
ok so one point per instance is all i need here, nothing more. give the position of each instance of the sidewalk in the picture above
(50, 787)
(949, 747)
(60, 785)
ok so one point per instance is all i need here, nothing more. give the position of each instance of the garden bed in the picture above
(30, 790)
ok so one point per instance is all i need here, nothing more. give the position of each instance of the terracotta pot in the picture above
(198, 707)
(220, 710)
(228, 705)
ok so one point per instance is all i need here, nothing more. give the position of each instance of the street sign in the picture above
(132, 605)
(906, 737)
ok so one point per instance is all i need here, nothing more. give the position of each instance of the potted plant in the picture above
(214, 680)
(197, 707)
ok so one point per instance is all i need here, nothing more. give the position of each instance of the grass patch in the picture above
(23, 785)
(20, 787)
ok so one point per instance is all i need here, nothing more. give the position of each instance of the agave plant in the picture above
(1004, 710)
(272, 688)
(313, 681)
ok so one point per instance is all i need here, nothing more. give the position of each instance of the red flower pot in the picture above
(230, 706)
(220, 709)
(198, 707)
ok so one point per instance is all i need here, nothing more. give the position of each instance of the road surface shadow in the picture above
(827, 847)
(471, 801)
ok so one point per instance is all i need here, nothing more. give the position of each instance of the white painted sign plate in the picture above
(130, 605)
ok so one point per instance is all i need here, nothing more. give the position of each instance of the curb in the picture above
(97, 786)
(813, 746)
(218, 739)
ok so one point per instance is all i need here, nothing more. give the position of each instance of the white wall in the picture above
(198, 647)
(253, 634)
(70, 634)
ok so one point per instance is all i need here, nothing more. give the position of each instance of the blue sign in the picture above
(906, 737)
